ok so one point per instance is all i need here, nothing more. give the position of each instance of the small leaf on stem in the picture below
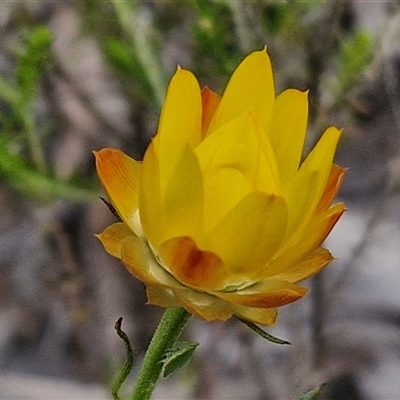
(177, 357)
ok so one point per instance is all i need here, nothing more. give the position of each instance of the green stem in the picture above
(168, 331)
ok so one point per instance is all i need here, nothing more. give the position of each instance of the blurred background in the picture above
(77, 76)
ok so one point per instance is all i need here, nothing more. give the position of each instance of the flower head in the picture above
(222, 217)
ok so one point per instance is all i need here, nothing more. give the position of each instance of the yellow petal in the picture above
(267, 179)
(140, 261)
(332, 187)
(303, 242)
(232, 166)
(210, 101)
(307, 267)
(203, 305)
(150, 204)
(251, 86)
(288, 130)
(263, 316)
(180, 121)
(249, 234)
(305, 192)
(272, 292)
(183, 199)
(192, 266)
(113, 237)
(222, 191)
(161, 297)
(119, 175)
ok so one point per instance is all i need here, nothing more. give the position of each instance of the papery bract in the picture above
(222, 217)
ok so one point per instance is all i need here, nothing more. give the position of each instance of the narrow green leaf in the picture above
(8, 92)
(262, 333)
(122, 57)
(32, 183)
(127, 367)
(177, 357)
(355, 54)
(312, 394)
(32, 60)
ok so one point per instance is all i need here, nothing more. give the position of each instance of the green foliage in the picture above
(17, 118)
(274, 16)
(22, 161)
(137, 25)
(355, 55)
(177, 357)
(36, 185)
(265, 335)
(312, 394)
(214, 37)
(121, 56)
(32, 61)
(127, 367)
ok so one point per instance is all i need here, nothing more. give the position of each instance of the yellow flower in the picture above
(222, 217)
